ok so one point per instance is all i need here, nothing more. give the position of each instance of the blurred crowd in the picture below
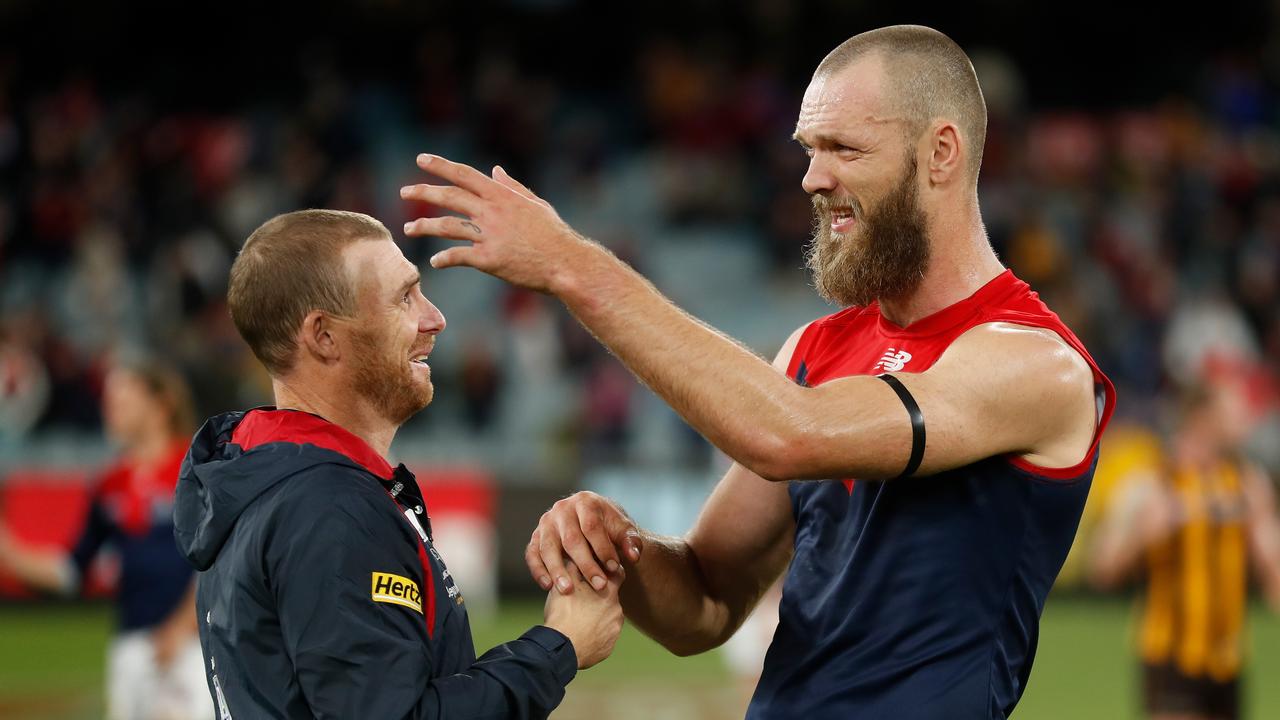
(1153, 229)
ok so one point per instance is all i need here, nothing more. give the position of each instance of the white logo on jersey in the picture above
(893, 361)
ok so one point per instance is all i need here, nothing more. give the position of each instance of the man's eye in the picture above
(405, 299)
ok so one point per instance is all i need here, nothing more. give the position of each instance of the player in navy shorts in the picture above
(917, 463)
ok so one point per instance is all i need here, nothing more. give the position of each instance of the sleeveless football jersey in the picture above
(920, 598)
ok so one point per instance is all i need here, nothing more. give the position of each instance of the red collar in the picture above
(269, 425)
(956, 313)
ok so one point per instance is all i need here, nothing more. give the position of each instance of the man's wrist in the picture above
(573, 281)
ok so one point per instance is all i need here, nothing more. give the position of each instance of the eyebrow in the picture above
(822, 140)
(417, 278)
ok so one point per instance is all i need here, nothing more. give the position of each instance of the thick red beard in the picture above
(885, 256)
(387, 382)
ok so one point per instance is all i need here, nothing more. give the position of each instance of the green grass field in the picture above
(51, 668)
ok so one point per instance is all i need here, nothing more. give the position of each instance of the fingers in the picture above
(446, 196)
(446, 226)
(632, 544)
(533, 559)
(574, 574)
(626, 536)
(580, 550)
(507, 181)
(464, 176)
(594, 529)
(552, 554)
(455, 257)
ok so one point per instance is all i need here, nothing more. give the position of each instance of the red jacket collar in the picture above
(269, 425)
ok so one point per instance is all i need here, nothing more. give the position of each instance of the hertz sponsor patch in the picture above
(397, 590)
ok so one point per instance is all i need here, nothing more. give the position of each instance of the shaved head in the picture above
(928, 77)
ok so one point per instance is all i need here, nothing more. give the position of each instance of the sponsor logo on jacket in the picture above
(397, 590)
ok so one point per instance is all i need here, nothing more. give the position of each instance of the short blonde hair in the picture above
(290, 266)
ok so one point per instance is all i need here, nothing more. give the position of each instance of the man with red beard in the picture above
(947, 420)
(320, 594)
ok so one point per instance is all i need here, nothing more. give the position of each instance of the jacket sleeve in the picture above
(356, 632)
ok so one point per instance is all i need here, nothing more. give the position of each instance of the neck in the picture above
(350, 413)
(961, 261)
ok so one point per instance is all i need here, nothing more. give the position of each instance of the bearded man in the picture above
(917, 462)
(320, 594)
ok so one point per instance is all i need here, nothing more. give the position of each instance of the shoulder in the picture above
(333, 494)
(1013, 351)
(1028, 378)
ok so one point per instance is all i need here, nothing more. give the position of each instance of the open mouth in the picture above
(419, 359)
(841, 219)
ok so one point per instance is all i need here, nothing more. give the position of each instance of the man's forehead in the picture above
(854, 94)
(378, 262)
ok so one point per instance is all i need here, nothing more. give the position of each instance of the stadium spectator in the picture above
(154, 668)
(321, 593)
(1192, 527)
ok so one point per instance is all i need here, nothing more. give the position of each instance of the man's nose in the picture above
(818, 177)
(432, 321)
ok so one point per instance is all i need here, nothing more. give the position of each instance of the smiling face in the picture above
(393, 332)
(870, 240)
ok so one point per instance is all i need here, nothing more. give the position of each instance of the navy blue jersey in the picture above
(131, 510)
(920, 598)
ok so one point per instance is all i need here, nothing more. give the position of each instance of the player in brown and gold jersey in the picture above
(1195, 526)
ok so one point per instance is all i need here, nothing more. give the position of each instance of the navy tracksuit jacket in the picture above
(319, 593)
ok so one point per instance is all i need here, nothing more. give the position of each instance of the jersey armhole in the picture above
(796, 369)
(1104, 401)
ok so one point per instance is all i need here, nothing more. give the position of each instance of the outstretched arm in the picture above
(1032, 396)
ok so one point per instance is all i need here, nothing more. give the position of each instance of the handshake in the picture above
(577, 553)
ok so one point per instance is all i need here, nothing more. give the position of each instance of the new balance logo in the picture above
(893, 361)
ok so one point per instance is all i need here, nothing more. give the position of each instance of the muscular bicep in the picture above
(999, 389)
(1007, 389)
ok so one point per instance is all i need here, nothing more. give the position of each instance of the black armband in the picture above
(917, 423)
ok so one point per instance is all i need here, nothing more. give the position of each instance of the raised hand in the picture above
(512, 233)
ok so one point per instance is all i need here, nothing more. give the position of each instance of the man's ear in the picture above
(318, 339)
(946, 153)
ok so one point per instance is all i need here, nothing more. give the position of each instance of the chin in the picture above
(420, 398)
